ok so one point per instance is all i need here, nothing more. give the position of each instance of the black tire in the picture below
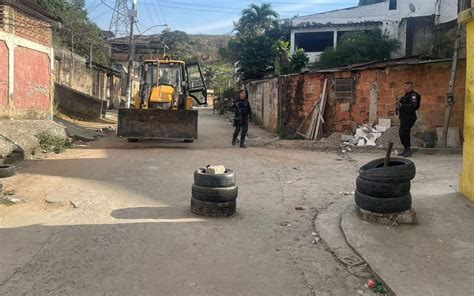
(382, 190)
(213, 209)
(383, 205)
(223, 194)
(201, 178)
(7, 170)
(133, 140)
(399, 170)
(189, 141)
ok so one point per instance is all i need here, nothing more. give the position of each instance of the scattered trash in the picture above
(10, 200)
(316, 240)
(299, 209)
(286, 224)
(360, 292)
(314, 234)
(376, 286)
(291, 182)
(371, 283)
(347, 193)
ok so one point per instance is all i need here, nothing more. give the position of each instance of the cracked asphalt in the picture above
(131, 232)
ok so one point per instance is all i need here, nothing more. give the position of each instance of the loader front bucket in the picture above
(157, 124)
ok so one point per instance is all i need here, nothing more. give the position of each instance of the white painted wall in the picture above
(446, 10)
(381, 12)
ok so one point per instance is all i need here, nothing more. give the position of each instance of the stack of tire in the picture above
(214, 195)
(385, 190)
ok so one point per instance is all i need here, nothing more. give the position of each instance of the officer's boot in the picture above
(242, 142)
(234, 140)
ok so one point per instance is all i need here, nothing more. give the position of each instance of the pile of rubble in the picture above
(367, 135)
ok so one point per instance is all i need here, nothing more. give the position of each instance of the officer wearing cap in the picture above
(408, 105)
(243, 113)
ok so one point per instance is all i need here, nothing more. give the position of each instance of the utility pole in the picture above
(452, 83)
(131, 58)
(90, 56)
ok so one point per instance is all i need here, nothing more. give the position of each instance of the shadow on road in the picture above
(154, 213)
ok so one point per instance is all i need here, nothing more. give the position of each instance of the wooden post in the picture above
(387, 156)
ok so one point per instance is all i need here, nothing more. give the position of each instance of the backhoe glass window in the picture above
(170, 74)
(149, 74)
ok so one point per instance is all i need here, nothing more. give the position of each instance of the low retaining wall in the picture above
(73, 102)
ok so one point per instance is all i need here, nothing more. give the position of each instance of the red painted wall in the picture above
(32, 80)
(3, 75)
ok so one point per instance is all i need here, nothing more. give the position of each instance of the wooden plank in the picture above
(319, 124)
(310, 131)
(306, 118)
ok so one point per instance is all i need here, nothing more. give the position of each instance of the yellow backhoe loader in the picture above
(162, 108)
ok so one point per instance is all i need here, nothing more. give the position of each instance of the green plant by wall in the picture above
(53, 143)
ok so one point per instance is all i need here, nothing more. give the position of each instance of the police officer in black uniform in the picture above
(407, 107)
(243, 113)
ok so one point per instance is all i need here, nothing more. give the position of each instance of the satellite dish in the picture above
(412, 7)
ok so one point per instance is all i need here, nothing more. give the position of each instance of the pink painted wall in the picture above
(32, 80)
(3, 75)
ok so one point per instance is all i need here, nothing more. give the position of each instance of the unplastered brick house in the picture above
(411, 22)
(26, 60)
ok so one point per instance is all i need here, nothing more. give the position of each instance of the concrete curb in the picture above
(346, 213)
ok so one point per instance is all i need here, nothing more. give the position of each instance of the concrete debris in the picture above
(215, 169)
(406, 217)
(299, 209)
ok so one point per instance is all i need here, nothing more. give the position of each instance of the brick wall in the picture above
(298, 93)
(3, 75)
(31, 28)
(2, 17)
(32, 80)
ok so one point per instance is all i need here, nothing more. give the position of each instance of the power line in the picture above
(159, 6)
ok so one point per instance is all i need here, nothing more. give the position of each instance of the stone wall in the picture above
(375, 90)
(73, 71)
(76, 103)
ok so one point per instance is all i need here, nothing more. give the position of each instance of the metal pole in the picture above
(452, 84)
(131, 58)
(90, 57)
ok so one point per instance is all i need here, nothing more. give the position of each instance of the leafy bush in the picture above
(53, 143)
(358, 47)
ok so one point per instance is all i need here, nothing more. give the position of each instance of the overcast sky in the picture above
(204, 16)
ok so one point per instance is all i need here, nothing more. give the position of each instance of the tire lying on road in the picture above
(213, 209)
(203, 179)
(400, 170)
(216, 195)
(383, 205)
(7, 170)
(382, 190)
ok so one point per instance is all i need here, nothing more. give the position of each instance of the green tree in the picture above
(358, 47)
(256, 20)
(78, 32)
(298, 60)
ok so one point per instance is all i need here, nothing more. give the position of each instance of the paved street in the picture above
(113, 219)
